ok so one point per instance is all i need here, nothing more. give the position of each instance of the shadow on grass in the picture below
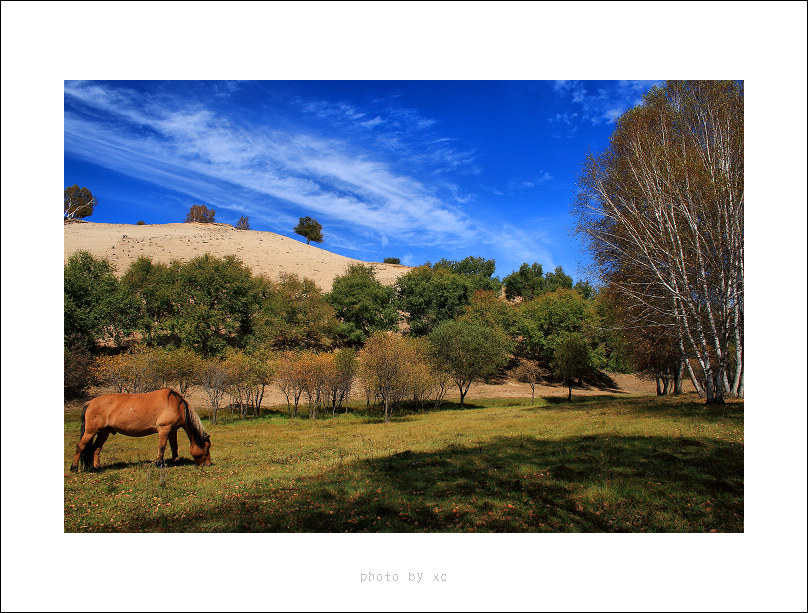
(142, 463)
(404, 411)
(577, 400)
(509, 484)
(658, 406)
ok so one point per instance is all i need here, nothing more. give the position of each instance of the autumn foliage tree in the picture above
(662, 212)
(290, 379)
(199, 213)
(528, 371)
(384, 367)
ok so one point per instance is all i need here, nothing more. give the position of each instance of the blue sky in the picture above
(420, 170)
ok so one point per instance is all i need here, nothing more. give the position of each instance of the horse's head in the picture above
(202, 454)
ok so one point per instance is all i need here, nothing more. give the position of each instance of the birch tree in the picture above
(661, 210)
(79, 202)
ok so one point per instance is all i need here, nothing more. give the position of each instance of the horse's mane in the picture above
(193, 424)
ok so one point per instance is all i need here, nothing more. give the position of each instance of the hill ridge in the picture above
(266, 253)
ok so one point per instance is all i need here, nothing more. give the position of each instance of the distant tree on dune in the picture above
(79, 202)
(310, 229)
(243, 223)
(392, 260)
(199, 213)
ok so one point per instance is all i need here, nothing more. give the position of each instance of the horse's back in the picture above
(133, 414)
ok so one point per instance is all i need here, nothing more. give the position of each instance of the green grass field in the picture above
(597, 464)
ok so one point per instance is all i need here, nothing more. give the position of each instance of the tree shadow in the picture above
(578, 400)
(508, 484)
(600, 380)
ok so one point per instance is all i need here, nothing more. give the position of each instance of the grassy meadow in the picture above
(596, 464)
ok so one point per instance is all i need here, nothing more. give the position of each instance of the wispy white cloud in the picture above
(542, 178)
(600, 102)
(271, 174)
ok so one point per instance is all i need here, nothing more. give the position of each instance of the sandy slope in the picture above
(265, 253)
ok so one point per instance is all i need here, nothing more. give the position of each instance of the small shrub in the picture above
(77, 362)
(392, 260)
(141, 223)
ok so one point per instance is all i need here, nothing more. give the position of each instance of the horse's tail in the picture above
(89, 449)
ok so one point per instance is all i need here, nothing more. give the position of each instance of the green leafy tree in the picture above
(392, 260)
(479, 271)
(557, 279)
(79, 202)
(152, 286)
(214, 302)
(95, 307)
(530, 281)
(585, 289)
(199, 213)
(470, 352)
(362, 304)
(613, 333)
(430, 296)
(292, 314)
(487, 308)
(571, 359)
(310, 229)
(552, 316)
(527, 282)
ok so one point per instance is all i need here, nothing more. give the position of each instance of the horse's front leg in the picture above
(172, 440)
(163, 432)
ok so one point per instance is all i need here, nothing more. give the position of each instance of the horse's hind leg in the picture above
(85, 440)
(103, 435)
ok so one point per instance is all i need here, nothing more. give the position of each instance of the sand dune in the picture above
(266, 253)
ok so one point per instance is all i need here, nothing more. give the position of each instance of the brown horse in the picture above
(162, 412)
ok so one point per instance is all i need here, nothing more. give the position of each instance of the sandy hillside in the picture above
(265, 253)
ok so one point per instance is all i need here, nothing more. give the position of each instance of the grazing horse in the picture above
(161, 412)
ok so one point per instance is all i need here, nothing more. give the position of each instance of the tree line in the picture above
(440, 325)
